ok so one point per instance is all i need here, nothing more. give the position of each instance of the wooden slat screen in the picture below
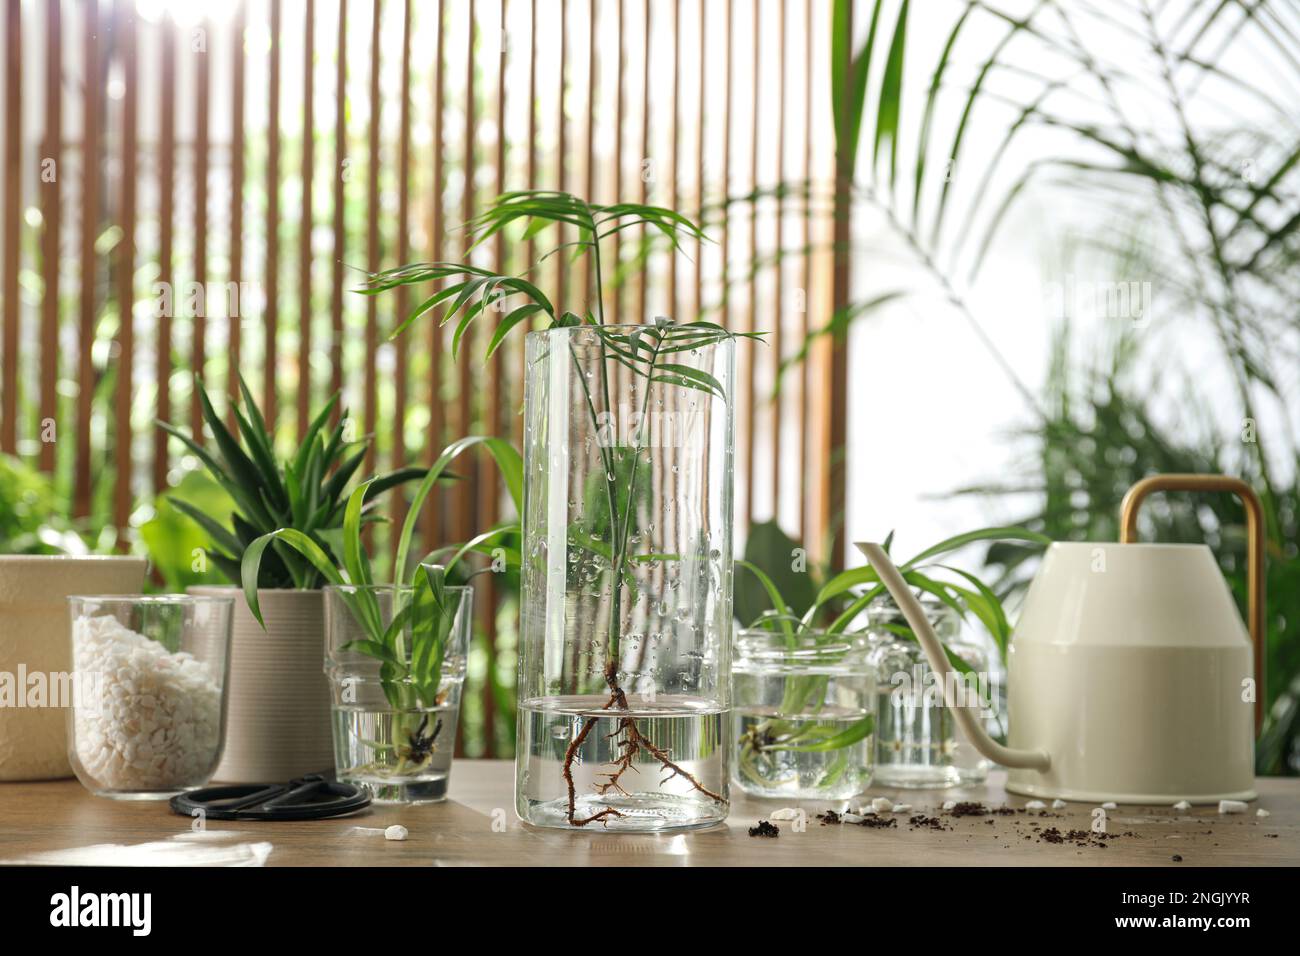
(265, 150)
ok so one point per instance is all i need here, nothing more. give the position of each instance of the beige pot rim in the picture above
(72, 559)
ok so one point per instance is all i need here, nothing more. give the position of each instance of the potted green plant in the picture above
(278, 725)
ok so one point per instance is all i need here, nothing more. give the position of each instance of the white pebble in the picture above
(901, 808)
(1182, 805)
(949, 804)
(1035, 805)
(396, 832)
(1108, 805)
(1059, 804)
(882, 805)
(1232, 806)
(850, 818)
(1262, 813)
(785, 813)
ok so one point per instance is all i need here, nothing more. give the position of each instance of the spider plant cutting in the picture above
(805, 685)
(396, 651)
(626, 525)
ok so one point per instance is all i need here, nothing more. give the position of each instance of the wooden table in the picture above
(59, 822)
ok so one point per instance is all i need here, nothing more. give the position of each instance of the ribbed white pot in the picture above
(278, 704)
(35, 638)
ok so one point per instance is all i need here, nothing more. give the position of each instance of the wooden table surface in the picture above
(59, 822)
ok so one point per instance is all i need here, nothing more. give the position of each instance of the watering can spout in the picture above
(892, 579)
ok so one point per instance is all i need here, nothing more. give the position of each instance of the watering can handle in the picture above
(892, 579)
(1254, 550)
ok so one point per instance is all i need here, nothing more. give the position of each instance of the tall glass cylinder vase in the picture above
(627, 577)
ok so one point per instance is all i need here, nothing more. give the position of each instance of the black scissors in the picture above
(313, 797)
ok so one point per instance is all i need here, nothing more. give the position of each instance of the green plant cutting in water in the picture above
(650, 352)
(823, 621)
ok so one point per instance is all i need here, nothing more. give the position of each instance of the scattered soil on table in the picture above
(765, 829)
(922, 822)
(1176, 858)
(875, 822)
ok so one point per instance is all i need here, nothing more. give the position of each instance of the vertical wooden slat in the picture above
(340, 180)
(620, 105)
(674, 141)
(643, 283)
(402, 300)
(166, 212)
(748, 378)
(589, 191)
(12, 217)
(561, 154)
(125, 262)
(700, 131)
(489, 500)
(271, 317)
(305, 311)
(433, 510)
(839, 367)
(371, 395)
(51, 216)
(724, 316)
(199, 339)
(92, 90)
(463, 523)
(530, 175)
(235, 320)
(778, 291)
(806, 450)
(466, 491)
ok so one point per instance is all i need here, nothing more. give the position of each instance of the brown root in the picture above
(631, 744)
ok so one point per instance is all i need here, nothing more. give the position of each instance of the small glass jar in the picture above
(918, 743)
(803, 714)
(148, 708)
(395, 717)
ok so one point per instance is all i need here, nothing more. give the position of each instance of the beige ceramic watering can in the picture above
(1131, 676)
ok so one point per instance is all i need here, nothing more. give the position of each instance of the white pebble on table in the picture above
(396, 832)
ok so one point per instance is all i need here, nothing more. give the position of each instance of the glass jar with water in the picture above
(803, 713)
(627, 577)
(918, 743)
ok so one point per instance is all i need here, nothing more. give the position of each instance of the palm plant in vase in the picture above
(626, 520)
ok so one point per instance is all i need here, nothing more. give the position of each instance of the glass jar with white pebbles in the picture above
(147, 694)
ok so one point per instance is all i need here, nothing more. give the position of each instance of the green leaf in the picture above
(891, 93)
(774, 553)
(845, 738)
(355, 560)
(509, 462)
(304, 545)
(983, 534)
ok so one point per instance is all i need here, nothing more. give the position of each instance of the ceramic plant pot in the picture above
(34, 640)
(278, 701)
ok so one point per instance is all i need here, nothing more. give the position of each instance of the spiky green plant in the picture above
(306, 493)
